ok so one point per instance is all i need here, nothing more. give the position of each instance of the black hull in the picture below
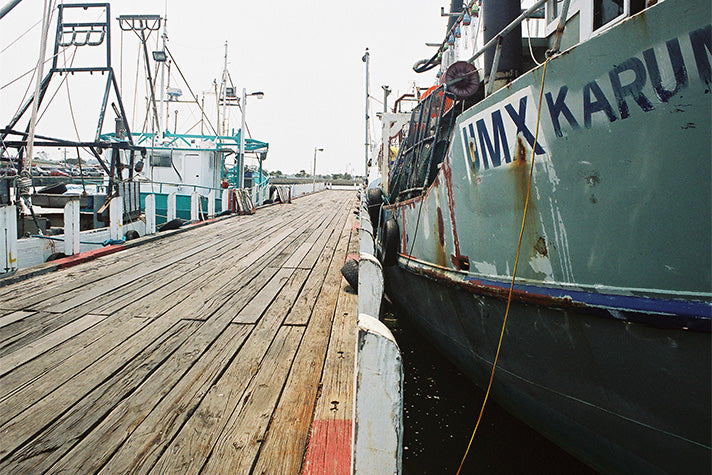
(623, 397)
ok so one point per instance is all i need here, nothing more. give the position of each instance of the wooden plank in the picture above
(35, 379)
(159, 406)
(329, 449)
(35, 290)
(322, 226)
(114, 410)
(196, 286)
(251, 312)
(242, 437)
(285, 443)
(303, 306)
(13, 317)
(136, 450)
(336, 398)
(285, 300)
(188, 270)
(143, 441)
(121, 263)
(199, 433)
(218, 293)
(29, 422)
(53, 441)
(15, 336)
(36, 348)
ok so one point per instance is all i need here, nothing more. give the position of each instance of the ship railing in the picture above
(169, 186)
(497, 40)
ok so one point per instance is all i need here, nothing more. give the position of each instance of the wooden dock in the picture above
(216, 350)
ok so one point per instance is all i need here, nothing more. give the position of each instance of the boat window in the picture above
(161, 159)
(606, 11)
(553, 10)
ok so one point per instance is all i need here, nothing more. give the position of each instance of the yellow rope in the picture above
(514, 272)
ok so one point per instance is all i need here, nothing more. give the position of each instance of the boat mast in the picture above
(365, 59)
(38, 81)
(163, 126)
(224, 94)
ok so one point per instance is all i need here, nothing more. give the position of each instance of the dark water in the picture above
(440, 412)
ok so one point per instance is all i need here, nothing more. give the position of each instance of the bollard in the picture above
(378, 401)
(171, 207)
(116, 217)
(151, 214)
(71, 227)
(211, 204)
(194, 206)
(225, 200)
(8, 238)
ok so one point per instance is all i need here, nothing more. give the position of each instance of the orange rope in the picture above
(514, 272)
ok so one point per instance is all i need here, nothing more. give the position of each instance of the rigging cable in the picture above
(64, 80)
(21, 36)
(514, 271)
(195, 98)
(138, 68)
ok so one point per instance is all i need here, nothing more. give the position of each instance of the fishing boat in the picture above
(606, 330)
(181, 165)
(182, 171)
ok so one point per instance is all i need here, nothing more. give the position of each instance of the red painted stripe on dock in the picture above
(329, 448)
(70, 261)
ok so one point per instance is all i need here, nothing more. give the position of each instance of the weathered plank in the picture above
(186, 390)
(159, 405)
(251, 312)
(29, 422)
(62, 434)
(20, 334)
(35, 379)
(285, 443)
(12, 317)
(304, 304)
(237, 447)
(37, 347)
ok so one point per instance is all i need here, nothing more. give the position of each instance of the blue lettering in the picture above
(500, 141)
(600, 104)
(634, 89)
(678, 68)
(519, 119)
(560, 107)
(701, 43)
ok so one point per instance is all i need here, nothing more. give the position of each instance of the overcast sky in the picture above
(304, 55)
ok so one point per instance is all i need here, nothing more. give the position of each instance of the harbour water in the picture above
(441, 408)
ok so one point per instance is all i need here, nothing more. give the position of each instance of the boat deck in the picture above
(216, 350)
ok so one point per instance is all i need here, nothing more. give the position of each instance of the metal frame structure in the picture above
(93, 34)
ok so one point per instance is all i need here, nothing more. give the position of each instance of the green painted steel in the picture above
(607, 344)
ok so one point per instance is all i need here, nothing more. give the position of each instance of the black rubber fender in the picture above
(172, 224)
(350, 272)
(374, 200)
(390, 243)
(55, 256)
(131, 234)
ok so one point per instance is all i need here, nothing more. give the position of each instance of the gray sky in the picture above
(304, 55)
